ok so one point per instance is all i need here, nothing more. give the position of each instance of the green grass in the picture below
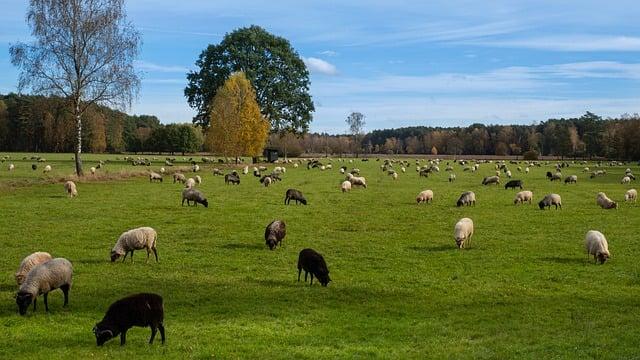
(400, 289)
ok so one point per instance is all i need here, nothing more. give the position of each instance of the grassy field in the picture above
(400, 289)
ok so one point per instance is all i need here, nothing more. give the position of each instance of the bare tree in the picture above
(83, 51)
(356, 123)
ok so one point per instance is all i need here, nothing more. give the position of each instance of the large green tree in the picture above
(273, 67)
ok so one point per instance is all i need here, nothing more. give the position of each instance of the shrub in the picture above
(530, 155)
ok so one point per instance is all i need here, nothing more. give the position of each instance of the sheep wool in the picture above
(425, 196)
(135, 239)
(625, 180)
(462, 232)
(47, 168)
(596, 244)
(53, 274)
(603, 200)
(29, 262)
(93, 170)
(198, 180)
(70, 188)
(631, 195)
(11, 167)
(345, 186)
(522, 197)
(190, 183)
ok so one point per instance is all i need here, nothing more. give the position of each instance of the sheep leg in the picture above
(155, 252)
(123, 337)
(299, 272)
(161, 328)
(46, 302)
(125, 256)
(65, 291)
(154, 329)
(148, 253)
(131, 256)
(311, 283)
(34, 303)
(183, 199)
(305, 275)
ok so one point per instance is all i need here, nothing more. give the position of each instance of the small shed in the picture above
(270, 154)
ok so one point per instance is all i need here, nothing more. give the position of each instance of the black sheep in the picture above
(293, 194)
(312, 262)
(513, 184)
(34, 166)
(274, 233)
(233, 179)
(549, 175)
(142, 310)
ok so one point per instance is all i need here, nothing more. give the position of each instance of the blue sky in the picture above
(401, 63)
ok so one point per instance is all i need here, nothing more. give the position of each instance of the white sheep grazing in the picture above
(394, 176)
(70, 188)
(403, 169)
(603, 200)
(522, 197)
(586, 169)
(345, 186)
(452, 177)
(53, 274)
(550, 199)
(245, 170)
(341, 170)
(47, 169)
(322, 167)
(358, 181)
(596, 244)
(329, 166)
(93, 170)
(526, 170)
(278, 170)
(625, 180)
(509, 173)
(295, 165)
(195, 168)
(162, 170)
(11, 167)
(190, 183)
(29, 262)
(463, 232)
(198, 180)
(425, 196)
(631, 195)
(267, 181)
(497, 172)
(179, 178)
(135, 239)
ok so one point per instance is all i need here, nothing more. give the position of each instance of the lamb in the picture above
(596, 244)
(522, 197)
(135, 239)
(93, 170)
(53, 274)
(491, 180)
(191, 194)
(198, 179)
(452, 177)
(631, 195)
(29, 262)
(231, 179)
(11, 167)
(345, 186)
(195, 168)
(605, 202)
(467, 198)
(274, 233)
(462, 232)
(425, 196)
(179, 177)
(572, 179)
(144, 309)
(47, 169)
(550, 199)
(357, 180)
(70, 188)
(312, 262)
(190, 183)
(526, 170)
(155, 176)
(513, 184)
(625, 180)
(293, 194)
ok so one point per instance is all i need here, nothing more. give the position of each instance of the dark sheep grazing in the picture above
(194, 195)
(312, 262)
(513, 184)
(274, 233)
(256, 173)
(231, 179)
(293, 194)
(34, 167)
(135, 310)
(549, 175)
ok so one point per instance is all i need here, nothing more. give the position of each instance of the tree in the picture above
(280, 78)
(356, 123)
(83, 52)
(237, 127)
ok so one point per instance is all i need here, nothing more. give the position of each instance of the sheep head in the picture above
(103, 334)
(460, 243)
(602, 257)
(23, 300)
(115, 256)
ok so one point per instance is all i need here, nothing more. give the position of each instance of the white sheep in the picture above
(509, 173)
(53, 274)
(154, 176)
(190, 183)
(403, 169)
(93, 170)
(550, 199)
(70, 188)
(345, 186)
(295, 165)
(631, 195)
(526, 170)
(522, 197)
(603, 200)
(267, 181)
(47, 169)
(195, 168)
(198, 180)
(29, 262)
(245, 170)
(425, 196)
(179, 178)
(341, 170)
(625, 180)
(596, 244)
(135, 239)
(452, 177)
(329, 166)
(357, 180)
(394, 176)
(462, 232)
(11, 167)
(162, 170)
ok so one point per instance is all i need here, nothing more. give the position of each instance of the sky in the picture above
(400, 63)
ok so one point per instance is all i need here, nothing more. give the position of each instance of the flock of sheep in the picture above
(40, 273)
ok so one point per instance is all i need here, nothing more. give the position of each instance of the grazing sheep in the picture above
(262, 168)
(34, 167)
(11, 167)
(313, 263)
(141, 310)
(162, 170)
(195, 168)
(526, 170)
(345, 186)
(70, 188)
(605, 202)
(198, 179)
(274, 233)
(572, 179)
(625, 180)
(550, 199)
(245, 170)
(29, 262)
(522, 197)
(425, 196)
(508, 173)
(462, 232)
(53, 274)
(293, 194)
(596, 244)
(47, 169)
(394, 176)
(155, 176)
(231, 179)
(549, 175)
(191, 194)
(467, 198)
(491, 180)
(357, 180)
(135, 239)
(190, 183)
(217, 172)
(295, 165)
(452, 177)
(556, 176)
(631, 195)
(93, 170)
(513, 184)
(179, 177)
(267, 181)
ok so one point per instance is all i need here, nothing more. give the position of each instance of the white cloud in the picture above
(567, 43)
(328, 53)
(320, 66)
(152, 67)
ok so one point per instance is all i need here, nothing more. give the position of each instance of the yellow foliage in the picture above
(237, 126)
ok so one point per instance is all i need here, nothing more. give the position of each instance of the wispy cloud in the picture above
(320, 66)
(330, 53)
(567, 43)
(152, 67)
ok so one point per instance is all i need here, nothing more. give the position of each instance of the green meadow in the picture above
(400, 288)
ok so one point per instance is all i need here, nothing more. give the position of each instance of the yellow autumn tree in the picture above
(237, 127)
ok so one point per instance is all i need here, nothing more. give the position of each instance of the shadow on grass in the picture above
(567, 260)
(236, 246)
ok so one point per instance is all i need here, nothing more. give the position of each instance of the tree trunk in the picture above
(79, 144)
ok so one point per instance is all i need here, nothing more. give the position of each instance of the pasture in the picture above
(400, 288)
